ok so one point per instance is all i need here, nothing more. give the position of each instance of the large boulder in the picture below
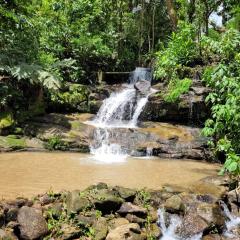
(106, 201)
(192, 225)
(116, 222)
(212, 214)
(126, 193)
(174, 204)
(32, 224)
(143, 86)
(101, 228)
(190, 108)
(75, 202)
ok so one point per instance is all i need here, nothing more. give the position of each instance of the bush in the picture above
(74, 98)
(176, 88)
(224, 79)
(56, 143)
(181, 50)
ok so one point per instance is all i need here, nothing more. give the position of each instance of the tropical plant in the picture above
(177, 87)
(224, 79)
(181, 51)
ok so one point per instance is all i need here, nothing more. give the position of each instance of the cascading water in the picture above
(116, 110)
(170, 232)
(141, 73)
(231, 224)
(121, 110)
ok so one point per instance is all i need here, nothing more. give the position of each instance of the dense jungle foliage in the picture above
(46, 45)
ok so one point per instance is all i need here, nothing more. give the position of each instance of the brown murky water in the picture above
(27, 174)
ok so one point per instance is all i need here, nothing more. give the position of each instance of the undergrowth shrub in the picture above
(224, 80)
(181, 50)
(176, 88)
(56, 143)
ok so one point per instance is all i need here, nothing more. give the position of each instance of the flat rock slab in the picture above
(127, 231)
(128, 207)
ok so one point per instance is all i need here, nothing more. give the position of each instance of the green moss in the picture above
(176, 88)
(18, 130)
(76, 125)
(6, 120)
(12, 141)
(35, 109)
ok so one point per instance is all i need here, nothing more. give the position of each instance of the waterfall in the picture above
(231, 224)
(170, 232)
(141, 73)
(140, 105)
(117, 109)
(149, 152)
(121, 110)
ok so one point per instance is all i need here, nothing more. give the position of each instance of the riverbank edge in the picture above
(105, 212)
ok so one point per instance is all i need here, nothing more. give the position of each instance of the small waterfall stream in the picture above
(121, 110)
(231, 224)
(170, 232)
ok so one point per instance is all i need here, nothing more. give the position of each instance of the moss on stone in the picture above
(13, 142)
(6, 120)
(76, 125)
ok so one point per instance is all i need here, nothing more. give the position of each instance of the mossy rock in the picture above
(78, 126)
(12, 142)
(6, 120)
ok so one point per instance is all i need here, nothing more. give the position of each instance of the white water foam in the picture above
(104, 151)
(169, 233)
(231, 224)
(121, 110)
(116, 109)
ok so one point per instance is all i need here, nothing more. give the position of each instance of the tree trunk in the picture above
(191, 10)
(153, 26)
(206, 17)
(172, 13)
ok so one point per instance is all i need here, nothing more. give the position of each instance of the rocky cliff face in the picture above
(189, 110)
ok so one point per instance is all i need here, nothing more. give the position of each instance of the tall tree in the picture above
(172, 13)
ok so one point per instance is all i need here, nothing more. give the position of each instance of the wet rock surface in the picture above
(190, 108)
(81, 215)
(71, 133)
(143, 86)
